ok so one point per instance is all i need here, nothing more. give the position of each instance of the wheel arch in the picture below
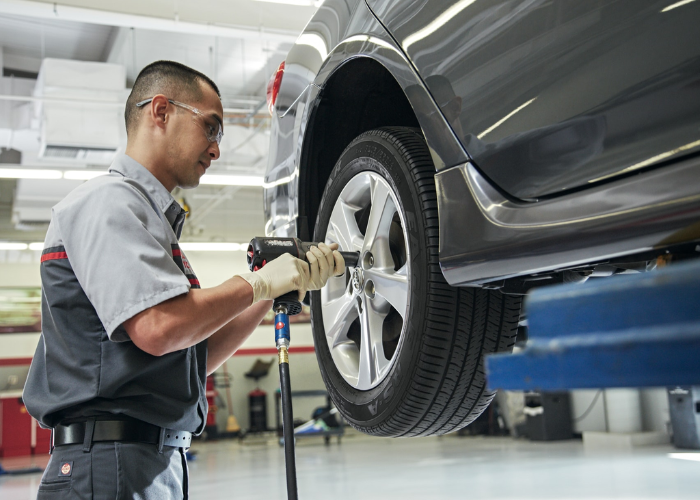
(360, 95)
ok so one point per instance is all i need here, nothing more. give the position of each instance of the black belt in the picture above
(134, 431)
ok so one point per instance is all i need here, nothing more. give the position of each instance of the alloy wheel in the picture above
(364, 311)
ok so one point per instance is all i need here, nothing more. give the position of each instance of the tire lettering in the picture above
(372, 408)
(411, 221)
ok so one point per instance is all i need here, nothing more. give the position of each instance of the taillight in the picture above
(273, 87)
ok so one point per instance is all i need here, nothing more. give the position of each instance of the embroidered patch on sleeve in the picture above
(66, 469)
(185, 267)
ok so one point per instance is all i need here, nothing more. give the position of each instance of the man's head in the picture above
(172, 115)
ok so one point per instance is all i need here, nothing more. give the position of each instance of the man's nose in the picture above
(214, 151)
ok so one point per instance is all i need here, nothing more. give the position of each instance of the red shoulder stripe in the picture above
(54, 256)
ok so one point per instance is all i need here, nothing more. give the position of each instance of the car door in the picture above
(551, 95)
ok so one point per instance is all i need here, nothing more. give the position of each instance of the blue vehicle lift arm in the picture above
(629, 331)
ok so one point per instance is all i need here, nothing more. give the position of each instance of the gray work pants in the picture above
(115, 470)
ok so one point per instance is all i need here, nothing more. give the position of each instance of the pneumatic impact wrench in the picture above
(260, 252)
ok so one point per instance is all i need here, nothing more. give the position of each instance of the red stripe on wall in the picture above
(15, 361)
(253, 351)
(262, 351)
(54, 256)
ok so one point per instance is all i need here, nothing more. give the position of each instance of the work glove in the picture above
(324, 261)
(279, 276)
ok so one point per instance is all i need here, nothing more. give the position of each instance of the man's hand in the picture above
(324, 262)
(279, 276)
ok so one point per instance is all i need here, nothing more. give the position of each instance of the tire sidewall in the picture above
(373, 153)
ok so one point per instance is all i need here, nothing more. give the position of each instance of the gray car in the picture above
(471, 150)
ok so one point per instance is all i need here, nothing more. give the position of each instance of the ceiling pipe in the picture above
(55, 11)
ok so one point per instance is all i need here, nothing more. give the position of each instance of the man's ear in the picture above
(159, 110)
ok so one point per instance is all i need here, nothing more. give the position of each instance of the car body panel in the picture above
(486, 233)
(336, 35)
(656, 209)
(550, 95)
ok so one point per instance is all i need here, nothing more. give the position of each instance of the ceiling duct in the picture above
(8, 155)
(87, 127)
(34, 199)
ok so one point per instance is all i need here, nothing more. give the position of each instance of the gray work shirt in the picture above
(111, 251)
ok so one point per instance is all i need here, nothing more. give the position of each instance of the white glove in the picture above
(279, 276)
(324, 262)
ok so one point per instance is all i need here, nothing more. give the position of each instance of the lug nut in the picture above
(368, 261)
(369, 289)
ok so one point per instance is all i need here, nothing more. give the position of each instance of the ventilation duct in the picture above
(34, 199)
(81, 117)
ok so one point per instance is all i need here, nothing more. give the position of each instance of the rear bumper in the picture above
(485, 236)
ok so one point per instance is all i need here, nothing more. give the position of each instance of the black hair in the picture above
(170, 78)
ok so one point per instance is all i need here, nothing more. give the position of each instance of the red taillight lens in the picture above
(273, 87)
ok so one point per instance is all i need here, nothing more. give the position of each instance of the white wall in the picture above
(304, 373)
(20, 273)
(212, 268)
(655, 410)
(581, 401)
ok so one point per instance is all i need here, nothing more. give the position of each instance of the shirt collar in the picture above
(130, 168)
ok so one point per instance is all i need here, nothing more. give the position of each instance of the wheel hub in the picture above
(360, 312)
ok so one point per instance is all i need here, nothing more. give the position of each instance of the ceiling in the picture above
(241, 66)
(26, 41)
(243, 13)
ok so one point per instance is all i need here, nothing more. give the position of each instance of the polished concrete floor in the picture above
(429, 468)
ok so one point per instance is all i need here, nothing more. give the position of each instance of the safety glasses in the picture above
(213, 132)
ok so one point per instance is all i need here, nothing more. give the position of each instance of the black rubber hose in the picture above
(288, 430)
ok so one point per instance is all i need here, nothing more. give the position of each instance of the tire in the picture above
(423, 373)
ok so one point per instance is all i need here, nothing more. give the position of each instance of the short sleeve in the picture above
(119, 247)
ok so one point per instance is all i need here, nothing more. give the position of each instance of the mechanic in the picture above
(128, 336)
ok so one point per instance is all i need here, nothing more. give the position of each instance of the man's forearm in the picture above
(188, 319)
(231, 336)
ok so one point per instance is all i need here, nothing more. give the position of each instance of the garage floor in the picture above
(429, 468)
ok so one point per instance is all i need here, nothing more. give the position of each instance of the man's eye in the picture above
(211, 129)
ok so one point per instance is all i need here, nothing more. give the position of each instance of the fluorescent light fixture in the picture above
(28, 173)
(8, 245)
(188, 246)
(677, 4)
(231, 180)
(438, 23)
(33, 173)
(83, 175)
(300, 3)
(502, 120)
(213, 247)
(695, 457)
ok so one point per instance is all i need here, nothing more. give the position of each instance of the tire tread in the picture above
(448, 385)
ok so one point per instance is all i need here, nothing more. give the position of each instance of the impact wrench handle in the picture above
(262, 250)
